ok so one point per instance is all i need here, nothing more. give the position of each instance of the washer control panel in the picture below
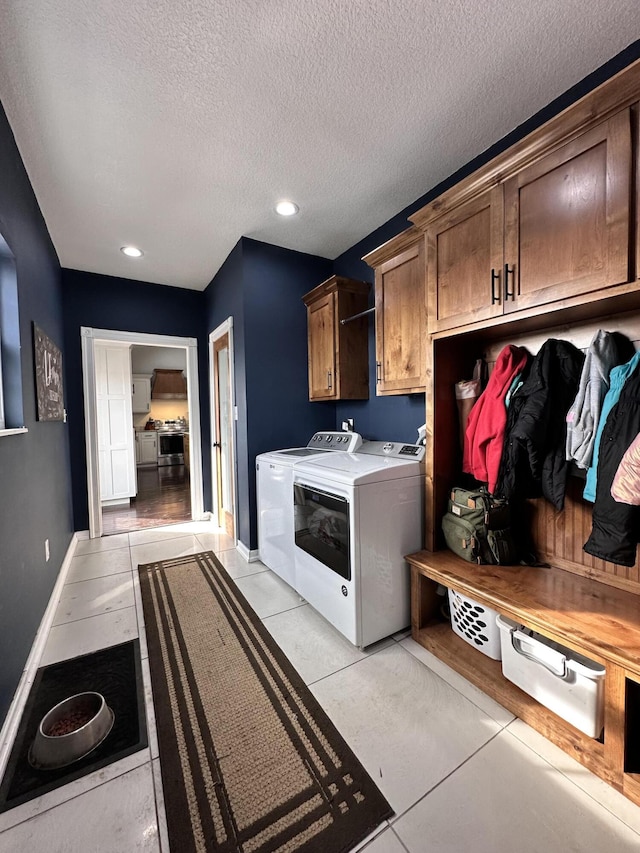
(335, 440)
(394, 449)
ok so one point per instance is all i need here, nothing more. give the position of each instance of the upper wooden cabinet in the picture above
(464, 263)
(338, 353)
(567, 219)
(553, 234)
(401, 317)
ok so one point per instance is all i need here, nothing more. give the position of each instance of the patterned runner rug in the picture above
(250, 761)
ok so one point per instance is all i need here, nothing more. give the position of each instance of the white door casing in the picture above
(89, 337)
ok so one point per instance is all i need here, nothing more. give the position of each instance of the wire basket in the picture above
(476, 624)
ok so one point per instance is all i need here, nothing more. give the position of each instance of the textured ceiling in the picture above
(175, 125)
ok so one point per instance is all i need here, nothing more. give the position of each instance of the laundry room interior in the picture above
(321, 463)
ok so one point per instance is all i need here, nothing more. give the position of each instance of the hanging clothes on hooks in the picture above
(617, 380)
(615, 530)
(625, 488)
(484, 436)
(533, 459)
(603, 354)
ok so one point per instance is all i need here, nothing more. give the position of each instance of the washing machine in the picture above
(274, 487)
(356, 516)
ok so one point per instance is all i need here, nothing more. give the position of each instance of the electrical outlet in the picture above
(47, 553)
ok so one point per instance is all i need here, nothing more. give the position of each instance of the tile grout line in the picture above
(98, 578)
(448, 776)
(79, 794)
(93, 616)
(349, 665)
(569, 779)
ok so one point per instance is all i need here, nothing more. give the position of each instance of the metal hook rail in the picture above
(356, 316)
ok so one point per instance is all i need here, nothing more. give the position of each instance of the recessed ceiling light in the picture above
(286, 208)
(132, 251)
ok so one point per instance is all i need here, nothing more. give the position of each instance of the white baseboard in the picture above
(246, 554)
(14, 714)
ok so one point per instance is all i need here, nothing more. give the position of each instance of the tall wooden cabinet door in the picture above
(567, 219)
(401, 323)
(464, 263)
(321, 330)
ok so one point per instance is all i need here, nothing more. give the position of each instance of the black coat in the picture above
(533, 458)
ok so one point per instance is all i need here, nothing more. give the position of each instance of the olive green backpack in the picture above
(477, 527)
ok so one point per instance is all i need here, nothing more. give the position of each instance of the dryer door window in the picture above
(322, 527)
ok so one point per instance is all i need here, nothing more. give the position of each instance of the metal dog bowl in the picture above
(71, 730)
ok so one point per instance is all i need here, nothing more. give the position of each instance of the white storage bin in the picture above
(475, 623)
(569, 684)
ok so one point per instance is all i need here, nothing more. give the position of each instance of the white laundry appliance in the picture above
(274, 486)
(355, 517)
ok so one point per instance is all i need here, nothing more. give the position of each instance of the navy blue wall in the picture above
(261, 287)
(223, 299)
(34, 467)
(104, 302)
(279, 413)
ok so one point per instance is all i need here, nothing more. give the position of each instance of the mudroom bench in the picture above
(592, 618)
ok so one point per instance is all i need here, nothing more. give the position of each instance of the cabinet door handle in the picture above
(495, 293)
(508, 293)
(378, 372)
(329, 380)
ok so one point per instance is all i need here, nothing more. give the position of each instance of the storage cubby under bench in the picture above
(593, 618)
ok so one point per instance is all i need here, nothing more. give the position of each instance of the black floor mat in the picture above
(116, 673)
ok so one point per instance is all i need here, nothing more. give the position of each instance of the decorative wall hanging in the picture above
(48, 368)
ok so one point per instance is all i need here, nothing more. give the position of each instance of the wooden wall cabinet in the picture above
(557, 213)
(338, 353)
(553, 234)
(401, 316)
(464, 263)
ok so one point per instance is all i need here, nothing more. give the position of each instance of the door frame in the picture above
(225, 328)
(88, 337)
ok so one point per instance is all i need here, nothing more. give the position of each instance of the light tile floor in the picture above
(460, 772)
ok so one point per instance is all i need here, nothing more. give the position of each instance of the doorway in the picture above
(169, 484)
(223, 419)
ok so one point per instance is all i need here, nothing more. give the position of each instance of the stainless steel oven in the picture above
(170, 448)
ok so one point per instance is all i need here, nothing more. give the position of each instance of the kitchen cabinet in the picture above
(147, 448)
(141, 393)
(401, 314)
(337, 352)
(555, 233)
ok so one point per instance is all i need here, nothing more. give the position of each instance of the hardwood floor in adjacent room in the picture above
(163, 498)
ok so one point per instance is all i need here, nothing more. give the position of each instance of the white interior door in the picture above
(223, 427)
(116, 448)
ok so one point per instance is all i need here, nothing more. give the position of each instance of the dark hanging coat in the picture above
(615, 528)
(533, 457)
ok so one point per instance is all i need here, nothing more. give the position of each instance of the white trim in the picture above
(14, 715)
(246, 554)
(225, 328)
(88, 338)
(13, 431)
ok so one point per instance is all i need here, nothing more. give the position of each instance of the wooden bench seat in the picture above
(592, 618)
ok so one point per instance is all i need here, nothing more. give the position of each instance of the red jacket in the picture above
(488, 418)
